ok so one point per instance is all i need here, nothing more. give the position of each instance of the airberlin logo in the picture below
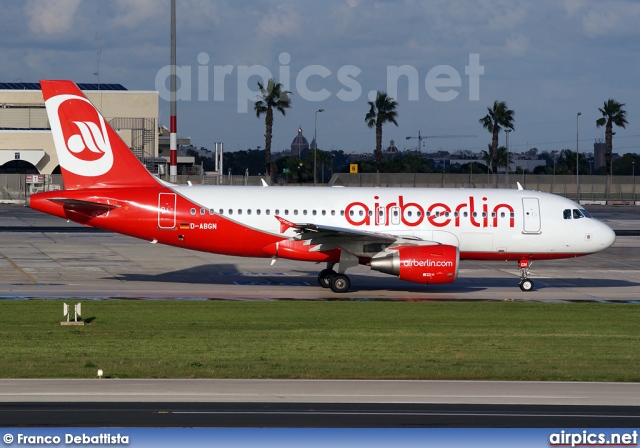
(80, 135)
(426, 263)
(89, 144)
(475, 211)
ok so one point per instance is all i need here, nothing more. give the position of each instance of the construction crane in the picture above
(421, 137)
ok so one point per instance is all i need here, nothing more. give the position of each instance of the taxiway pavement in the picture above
(50, 258)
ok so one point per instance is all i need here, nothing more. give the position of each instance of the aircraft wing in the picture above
(359, 242)
(307, 231)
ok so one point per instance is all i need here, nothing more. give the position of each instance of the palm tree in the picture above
(500, 116)
(486, 156)
(381, 111)
(612, 113)
(503, 157)
(271, 97)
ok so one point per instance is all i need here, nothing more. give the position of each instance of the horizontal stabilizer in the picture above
(86, 207)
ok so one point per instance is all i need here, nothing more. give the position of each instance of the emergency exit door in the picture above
(167, 210)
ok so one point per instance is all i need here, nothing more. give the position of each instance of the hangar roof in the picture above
(36, 86)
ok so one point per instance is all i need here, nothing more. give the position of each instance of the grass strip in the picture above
(301, 339)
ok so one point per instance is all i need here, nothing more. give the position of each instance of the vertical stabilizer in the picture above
(90, 152)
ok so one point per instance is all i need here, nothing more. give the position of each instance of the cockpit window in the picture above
(577, 214)
(585, 213)
(566, 214)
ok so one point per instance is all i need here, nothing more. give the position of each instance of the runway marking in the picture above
(25, 275)
(259, 274)
(270, 283)
(415, 414)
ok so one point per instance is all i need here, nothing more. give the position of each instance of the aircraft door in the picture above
(531, 209)
(167, 210)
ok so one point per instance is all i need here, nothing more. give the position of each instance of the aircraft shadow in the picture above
(230, 274)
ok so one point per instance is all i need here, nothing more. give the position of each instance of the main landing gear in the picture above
(525, 283)
(328, 278)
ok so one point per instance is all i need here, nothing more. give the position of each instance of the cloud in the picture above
(131, 14)
(517, 45)
(51, 17)
(284, 21)
(605, 19)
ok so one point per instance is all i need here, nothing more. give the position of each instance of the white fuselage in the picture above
(482, 223)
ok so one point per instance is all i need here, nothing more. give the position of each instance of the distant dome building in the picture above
(299, 145)
(392, 148)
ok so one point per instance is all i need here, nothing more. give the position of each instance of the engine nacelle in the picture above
(433, 264)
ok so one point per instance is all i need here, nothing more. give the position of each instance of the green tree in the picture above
(486, 156)
(415, 163)
(497, 118)
(324, 164)
(502, 158)
(271, 97)
(381, 111)
(612, 113)
(566, 162)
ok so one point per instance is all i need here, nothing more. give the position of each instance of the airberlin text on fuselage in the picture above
(438, 214)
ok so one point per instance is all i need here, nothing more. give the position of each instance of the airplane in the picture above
(417, 234)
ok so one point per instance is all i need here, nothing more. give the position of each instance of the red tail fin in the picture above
(90, 152)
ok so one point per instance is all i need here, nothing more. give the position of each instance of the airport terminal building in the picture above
(26, 144)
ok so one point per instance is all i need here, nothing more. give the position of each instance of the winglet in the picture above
(519, 186)
(264, 184)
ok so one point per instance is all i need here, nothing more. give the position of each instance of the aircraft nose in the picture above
(606, 235)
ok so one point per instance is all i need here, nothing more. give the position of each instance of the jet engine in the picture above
(433, 264)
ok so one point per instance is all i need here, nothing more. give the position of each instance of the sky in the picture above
(445, 62)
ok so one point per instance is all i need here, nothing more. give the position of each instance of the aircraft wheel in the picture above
(340, 283)
(324, 277)
(526, 285)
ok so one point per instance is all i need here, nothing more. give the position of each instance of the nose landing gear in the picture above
(525, 283)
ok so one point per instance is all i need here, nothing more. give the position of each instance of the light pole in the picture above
(577, 160)
(507, 132)
(315, 147)
(633, 173)
(553, 185)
